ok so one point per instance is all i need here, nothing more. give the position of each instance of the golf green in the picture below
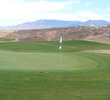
(44, 61)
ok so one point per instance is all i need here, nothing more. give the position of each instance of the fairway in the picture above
(39, 71)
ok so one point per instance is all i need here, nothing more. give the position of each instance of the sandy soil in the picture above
(96, 39)
(98, 51)
(4, 33)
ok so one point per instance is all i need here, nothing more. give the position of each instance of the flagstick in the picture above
(60, 49)
(60, 55)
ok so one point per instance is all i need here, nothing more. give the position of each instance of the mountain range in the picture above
(41, 24)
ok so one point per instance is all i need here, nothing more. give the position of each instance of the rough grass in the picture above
(36, 73)
(5, 39)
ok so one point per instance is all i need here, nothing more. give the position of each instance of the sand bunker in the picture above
(98, 51)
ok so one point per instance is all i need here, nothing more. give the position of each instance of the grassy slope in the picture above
(4, 39)
(52, 46)
(56, 83)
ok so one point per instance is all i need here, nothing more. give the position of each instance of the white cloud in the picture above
(88, 3)
(107, 9)
(59, 16)
(87, 15)
(11, 1)
(22, 10)
(97, 9)
(81, 16)
(31, 11)
(107, 15)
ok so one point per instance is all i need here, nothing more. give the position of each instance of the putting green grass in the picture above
(44, 61)
(38, 71)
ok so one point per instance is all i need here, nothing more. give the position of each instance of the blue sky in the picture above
(13, 12)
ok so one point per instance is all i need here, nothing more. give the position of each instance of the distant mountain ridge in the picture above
(41, 24)
(95, 23)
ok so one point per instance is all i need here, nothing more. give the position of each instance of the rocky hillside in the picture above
(68, 33)
(4, 33)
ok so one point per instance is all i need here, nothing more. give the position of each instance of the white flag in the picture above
(60, 47)
(61, 39)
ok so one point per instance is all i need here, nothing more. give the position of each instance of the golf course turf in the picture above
(39, 71)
